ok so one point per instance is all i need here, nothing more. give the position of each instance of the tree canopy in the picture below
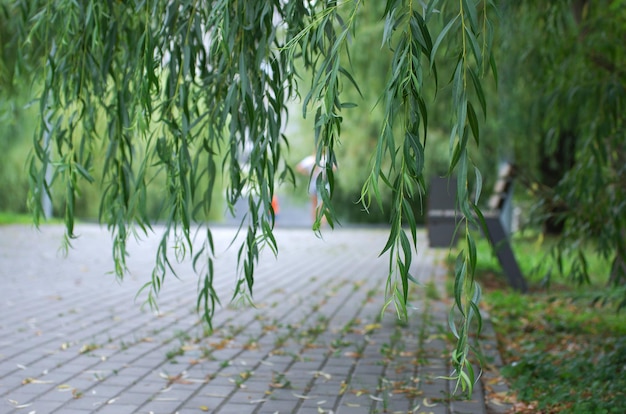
(565, 88)
(186, 97)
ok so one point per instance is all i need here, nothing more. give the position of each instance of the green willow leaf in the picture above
(459, 279)
(469, 9)
(479, 91)
(473, 122)
(471, 250)
(441, 37)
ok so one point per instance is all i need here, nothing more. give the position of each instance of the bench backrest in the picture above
(442, 194)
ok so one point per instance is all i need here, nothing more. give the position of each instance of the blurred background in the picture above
(559, 90)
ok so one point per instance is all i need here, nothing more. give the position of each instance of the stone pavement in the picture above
(75, 340)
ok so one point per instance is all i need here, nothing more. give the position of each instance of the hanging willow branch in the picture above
(181, 92)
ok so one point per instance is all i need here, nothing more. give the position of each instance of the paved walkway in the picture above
(73, 340)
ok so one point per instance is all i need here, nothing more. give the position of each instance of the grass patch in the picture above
(533, 254)
(562, 352)
(15, 218)
(561, 355)
(8, 218)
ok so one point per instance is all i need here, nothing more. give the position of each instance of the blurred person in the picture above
(275, 206)
(309, 167)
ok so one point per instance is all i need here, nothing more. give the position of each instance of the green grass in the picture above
(561, 355)
(562, 352)
(14, 218)
(536, 261)
(8, 218)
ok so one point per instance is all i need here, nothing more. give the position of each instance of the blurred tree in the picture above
(16, 121)
(563, 78)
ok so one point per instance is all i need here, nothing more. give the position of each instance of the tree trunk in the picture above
(554, 164)
(618, 270)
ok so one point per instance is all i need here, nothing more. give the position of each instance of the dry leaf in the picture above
(371, 327)
(30, 380)
(302, 397)
(18, 405)
(326, 376)
(352, 355)
(88, 348)
(427, 404)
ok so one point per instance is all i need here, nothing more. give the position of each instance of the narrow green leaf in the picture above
(473, 122)
(479, 91)
(494, 68)
(459, 280)
(440, 38)
(452, 323)
(479, 184)
(467, 379)
(475, 45)
(480, 218)
(349, 76)
(471, 249)
(411, 220)
(469, 10)
(391, 241)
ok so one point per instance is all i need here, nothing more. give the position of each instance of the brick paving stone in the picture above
(89, 403)
(159, 406)
(56, 395)
(353, 410)
(41, 406)
(436, 409)
(468, 407)
(76, 411)
(236, 409)
(283, 394)
(276, 406)
(198, 401)
(76, 326)
(212, 390)
(245, 397)
(309, 410)
(117, 409)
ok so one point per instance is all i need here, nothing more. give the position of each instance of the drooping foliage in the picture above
(188, 89)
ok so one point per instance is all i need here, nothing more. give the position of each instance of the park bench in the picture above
(442, 215)
(443, 218)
